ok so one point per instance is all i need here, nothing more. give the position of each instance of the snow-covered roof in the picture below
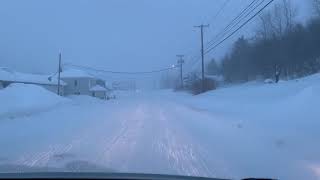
(74, 73)
(98, 88)
(8, 75)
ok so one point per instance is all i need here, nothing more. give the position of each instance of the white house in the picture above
(8, 77)
(72, 82)
(82, 83)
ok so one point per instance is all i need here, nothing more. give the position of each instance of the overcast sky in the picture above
(120, 35)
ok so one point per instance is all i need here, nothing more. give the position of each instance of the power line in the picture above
(222, 34)
(227, 28)
(220, 10)
(196, 58)
(242, 25)
(120, 72)
(233, 22)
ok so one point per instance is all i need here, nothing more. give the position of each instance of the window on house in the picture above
(93, 94)
(75, 83)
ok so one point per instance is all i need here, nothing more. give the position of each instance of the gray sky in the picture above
(120, 35)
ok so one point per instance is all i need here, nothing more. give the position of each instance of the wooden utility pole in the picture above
(59, 71)
(180, 62)
(202, 54)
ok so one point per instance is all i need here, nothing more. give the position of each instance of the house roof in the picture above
(98, 88)
(8, 75)
(75, 73)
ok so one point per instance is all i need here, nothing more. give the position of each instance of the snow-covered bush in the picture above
(193, 83)
(268, 81)
(209, 84)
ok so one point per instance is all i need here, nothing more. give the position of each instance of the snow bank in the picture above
(126, 93)
(85, 99)
(273, 131)
(23, 99)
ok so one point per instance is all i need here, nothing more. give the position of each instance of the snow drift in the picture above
(23, 99)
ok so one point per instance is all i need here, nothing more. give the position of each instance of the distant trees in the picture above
(213, 68)
(233, 69)
(278, 21)
(281, 47)
(193, 83)
(316, 5)
(196, 86)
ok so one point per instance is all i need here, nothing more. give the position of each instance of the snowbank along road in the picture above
(169, 133)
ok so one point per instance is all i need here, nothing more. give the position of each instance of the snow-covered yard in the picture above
(249, 130)
(26, 99)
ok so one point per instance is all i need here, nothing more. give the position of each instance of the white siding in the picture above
(82, 86)
(77, 86)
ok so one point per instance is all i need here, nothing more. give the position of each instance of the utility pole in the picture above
(59, 71)
(202, 53)
(180, 62)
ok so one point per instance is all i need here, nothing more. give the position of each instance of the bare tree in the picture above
(316, 6)
(264, 28)
(277, 21)
(289, 13)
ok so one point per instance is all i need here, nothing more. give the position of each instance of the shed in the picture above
(99, 91)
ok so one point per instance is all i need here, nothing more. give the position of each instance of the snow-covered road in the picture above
(158, 132)
(138, 135)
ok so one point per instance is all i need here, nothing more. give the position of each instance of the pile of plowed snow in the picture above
(263, 130)
(23, 99)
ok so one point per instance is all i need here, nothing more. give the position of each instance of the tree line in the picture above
(281, 47)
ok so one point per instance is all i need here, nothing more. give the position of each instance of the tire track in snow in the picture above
(147, 138)
(183, 155)
(119, 140)
(185, 117)
(119, 148)
(42, 158)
